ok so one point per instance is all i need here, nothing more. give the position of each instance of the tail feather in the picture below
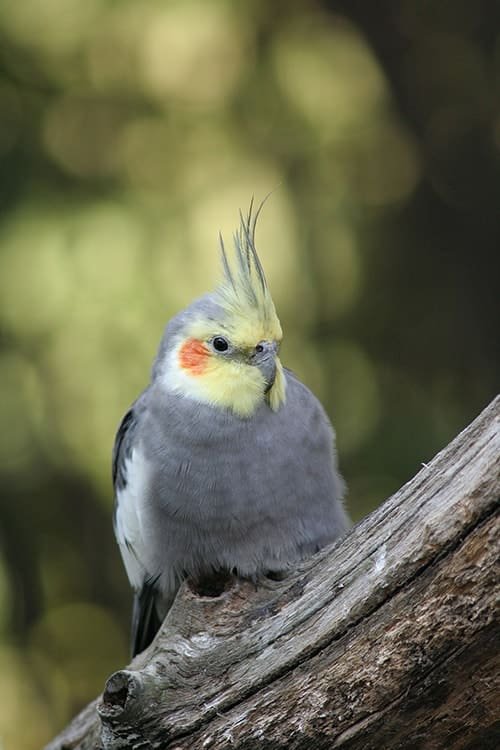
(145, 620)
(149, 610)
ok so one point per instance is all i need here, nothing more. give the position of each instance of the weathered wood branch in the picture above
(388, 639)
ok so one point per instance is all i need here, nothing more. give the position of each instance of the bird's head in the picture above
(223, 349)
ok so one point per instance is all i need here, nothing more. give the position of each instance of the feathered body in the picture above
(226, 461)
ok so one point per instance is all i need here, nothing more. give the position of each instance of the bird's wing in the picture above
(130, 470)
(129, 480)
(122, 447)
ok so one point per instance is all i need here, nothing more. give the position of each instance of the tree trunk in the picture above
(387, 639)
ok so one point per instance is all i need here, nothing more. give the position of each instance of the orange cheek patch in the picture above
(193, 356)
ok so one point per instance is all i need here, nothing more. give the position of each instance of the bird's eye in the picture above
(259, 348)
(220, 344)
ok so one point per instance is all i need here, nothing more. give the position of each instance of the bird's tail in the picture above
(148, 613)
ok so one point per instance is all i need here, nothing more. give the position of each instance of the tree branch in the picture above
(386, 639)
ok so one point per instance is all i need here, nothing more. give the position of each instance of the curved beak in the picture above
(264, 357)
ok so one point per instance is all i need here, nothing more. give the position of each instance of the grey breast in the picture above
(247, 493)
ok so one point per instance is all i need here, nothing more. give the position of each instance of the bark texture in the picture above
(388, 639)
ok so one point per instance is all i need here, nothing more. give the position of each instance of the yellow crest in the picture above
(246, 299)
(244, 294)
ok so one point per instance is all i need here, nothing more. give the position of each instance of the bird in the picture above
(226, 461)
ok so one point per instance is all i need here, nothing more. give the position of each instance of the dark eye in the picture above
(220, 344)
(259, 348)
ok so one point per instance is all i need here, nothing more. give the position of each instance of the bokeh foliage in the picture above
(131, 132)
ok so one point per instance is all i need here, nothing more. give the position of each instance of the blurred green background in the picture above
(131, 131)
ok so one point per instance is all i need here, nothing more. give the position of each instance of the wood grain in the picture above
(387, 639)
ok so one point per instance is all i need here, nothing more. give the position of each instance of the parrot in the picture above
(226, 461)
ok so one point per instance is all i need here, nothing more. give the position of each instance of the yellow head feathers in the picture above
(246, 299)
(249, 319)
(244, 294)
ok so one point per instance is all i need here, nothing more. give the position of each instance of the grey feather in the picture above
(250, 495)
(257, 494)
(201, 489)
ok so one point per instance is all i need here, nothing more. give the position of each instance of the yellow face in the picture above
(244, 371)
(214, 365)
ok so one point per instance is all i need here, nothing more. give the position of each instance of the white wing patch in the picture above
(128, 524)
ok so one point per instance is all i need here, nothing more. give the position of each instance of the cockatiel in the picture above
(226, 462)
